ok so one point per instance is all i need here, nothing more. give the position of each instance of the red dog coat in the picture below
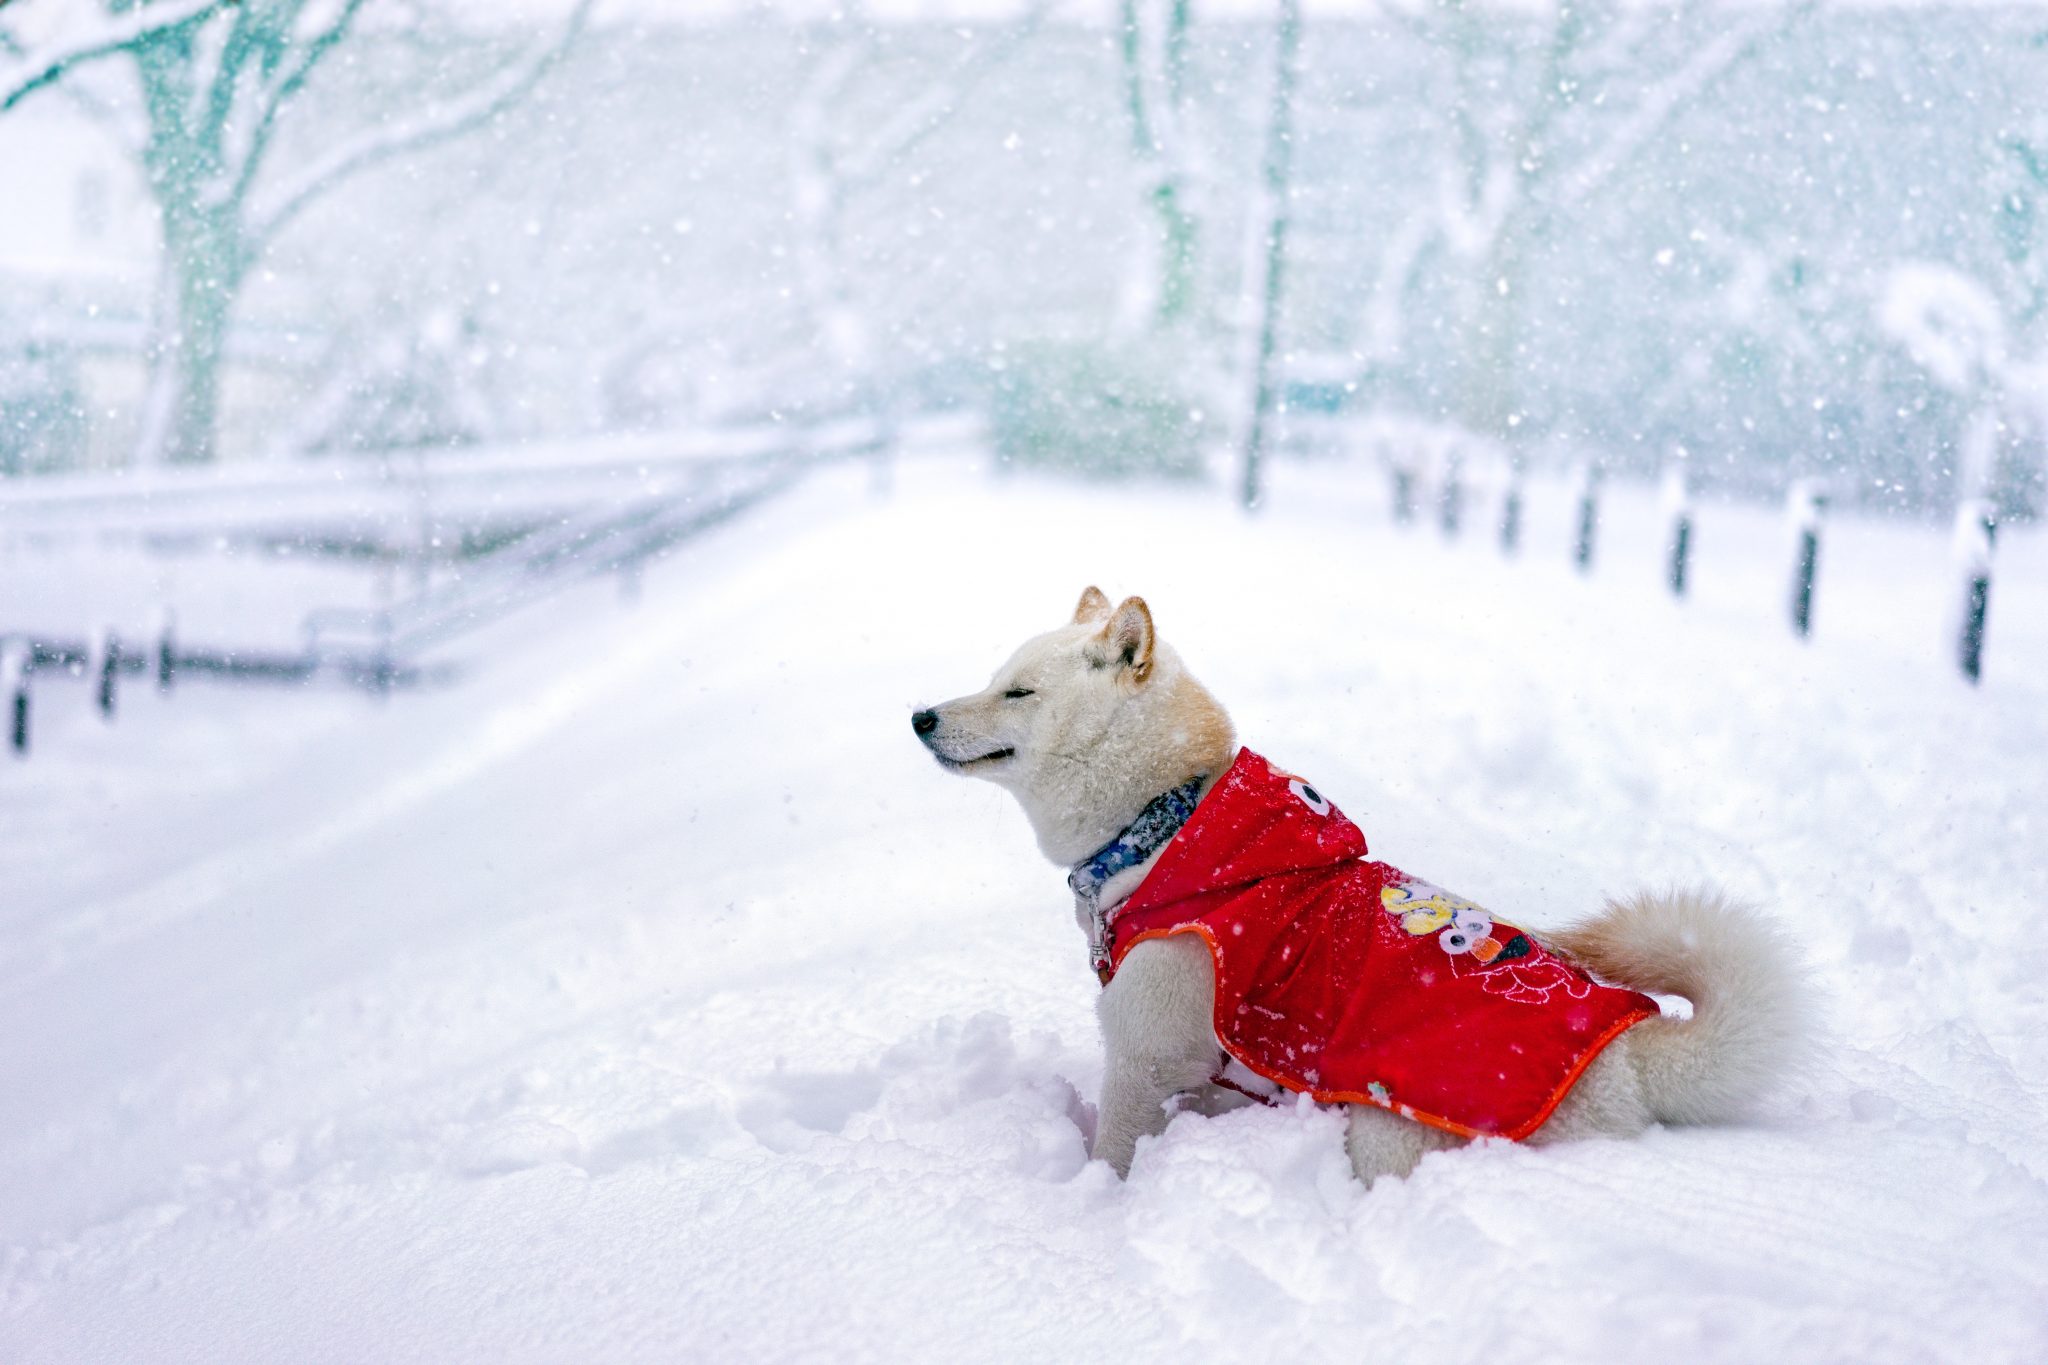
(1352, 981)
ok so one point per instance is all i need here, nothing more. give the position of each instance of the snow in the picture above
(1947, 321)
(651, 995)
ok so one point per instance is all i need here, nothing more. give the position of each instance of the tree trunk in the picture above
(818, 195)
(1487, 390)
(1177, 241)
(1171, 255)
(201, 264)
(202, 268)
(1278, 176)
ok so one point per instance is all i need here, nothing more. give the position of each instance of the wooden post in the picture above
(1511, 514)
(1451, 495)
(1678, 512)
(1976, 537)
(106, 662)
(1404, 492)
(1805, 503)
(166, 650)
(16, 663)
(1589, 517)
(882, 461)
(385, 669)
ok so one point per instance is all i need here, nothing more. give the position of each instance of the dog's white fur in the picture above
(1087, 723)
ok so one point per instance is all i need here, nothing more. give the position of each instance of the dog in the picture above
(1118, 755)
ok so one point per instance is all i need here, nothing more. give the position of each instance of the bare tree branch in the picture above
(1668, 97)
(441, 124)
(121, 123)
(252, 27)
(285, 88)
(923, 117)
(118, 34)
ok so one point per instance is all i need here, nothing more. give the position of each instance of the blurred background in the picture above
(1768, 240)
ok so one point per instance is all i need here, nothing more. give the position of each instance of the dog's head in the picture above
(1084, 724)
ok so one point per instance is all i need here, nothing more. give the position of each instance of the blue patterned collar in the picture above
(1161, 819)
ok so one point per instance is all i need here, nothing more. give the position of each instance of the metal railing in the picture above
(606, 509)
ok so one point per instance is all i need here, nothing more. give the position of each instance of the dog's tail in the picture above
(1751, 1007)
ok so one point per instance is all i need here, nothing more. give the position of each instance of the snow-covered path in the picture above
(652, 996)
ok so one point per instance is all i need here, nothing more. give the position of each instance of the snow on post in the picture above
(15, 666)
(1976, 536)
(1588, 482)
(1804, 504)
(1677, 499)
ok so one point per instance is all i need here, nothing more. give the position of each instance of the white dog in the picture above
(1108, 743)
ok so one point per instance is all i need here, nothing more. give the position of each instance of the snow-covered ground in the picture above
(651, 995)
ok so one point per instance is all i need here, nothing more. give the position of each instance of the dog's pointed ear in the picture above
(1126, 639)
(1093, 606)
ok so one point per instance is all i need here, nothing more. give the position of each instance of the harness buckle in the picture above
(1098, 935)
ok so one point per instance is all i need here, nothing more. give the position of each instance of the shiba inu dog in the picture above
(1124, 763)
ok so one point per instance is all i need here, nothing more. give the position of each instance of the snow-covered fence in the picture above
(100, 659)
(1460, 476)
(624, 505)
(389, 504)
(1445, 473)
(614, 540)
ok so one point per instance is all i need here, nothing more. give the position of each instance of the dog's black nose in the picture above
(924, 722)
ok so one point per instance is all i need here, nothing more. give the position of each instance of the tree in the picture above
(118, 31)
(833, 160)
(218, 80)
(1276, 178)
(1154, 62)
(1539, 121)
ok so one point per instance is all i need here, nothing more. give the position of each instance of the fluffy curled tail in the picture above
(1751, 1009)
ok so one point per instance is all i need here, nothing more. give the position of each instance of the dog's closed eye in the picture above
(1014, 693)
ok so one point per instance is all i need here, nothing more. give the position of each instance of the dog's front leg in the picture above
(1157, 1038)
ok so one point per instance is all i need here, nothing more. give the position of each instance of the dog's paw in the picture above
(1117, 1154)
